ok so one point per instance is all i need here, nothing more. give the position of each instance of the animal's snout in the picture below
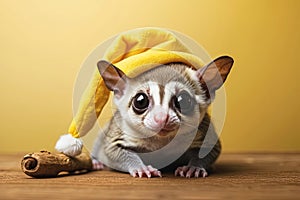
(161, 118)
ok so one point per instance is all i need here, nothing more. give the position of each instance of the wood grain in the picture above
(237, 176)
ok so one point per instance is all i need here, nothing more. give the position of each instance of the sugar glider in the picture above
(167, 102)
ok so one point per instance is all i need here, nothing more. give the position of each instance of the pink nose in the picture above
(160, 118)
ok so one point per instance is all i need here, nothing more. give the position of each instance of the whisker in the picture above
(190, 124)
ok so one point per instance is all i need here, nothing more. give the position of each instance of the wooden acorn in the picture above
(45, 164)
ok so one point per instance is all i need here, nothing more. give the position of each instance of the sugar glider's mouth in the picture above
(166, 131)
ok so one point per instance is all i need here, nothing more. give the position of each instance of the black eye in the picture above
(184, 103)
(140, 103)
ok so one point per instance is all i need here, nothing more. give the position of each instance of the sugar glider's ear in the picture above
(114, 79)
(213, 75)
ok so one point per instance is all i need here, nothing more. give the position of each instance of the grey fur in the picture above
(121, 150)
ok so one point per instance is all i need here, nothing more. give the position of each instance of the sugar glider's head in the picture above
(165, 99)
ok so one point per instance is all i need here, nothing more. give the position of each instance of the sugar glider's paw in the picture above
(97, 165)
(191, 171)
(145, 171)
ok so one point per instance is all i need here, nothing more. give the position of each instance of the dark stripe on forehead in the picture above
(161, 93)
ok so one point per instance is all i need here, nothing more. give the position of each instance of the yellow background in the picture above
(43, 44)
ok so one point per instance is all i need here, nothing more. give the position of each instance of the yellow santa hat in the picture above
(133, 52)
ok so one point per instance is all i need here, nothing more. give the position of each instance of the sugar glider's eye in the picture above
(140, 103)
(184, 103)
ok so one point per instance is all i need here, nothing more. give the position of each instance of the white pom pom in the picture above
(69, 145)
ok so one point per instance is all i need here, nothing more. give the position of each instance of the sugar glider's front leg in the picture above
(107, 150)
(197, 167)
(125, 160)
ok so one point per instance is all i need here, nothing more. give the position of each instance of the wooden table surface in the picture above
(237, 176)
